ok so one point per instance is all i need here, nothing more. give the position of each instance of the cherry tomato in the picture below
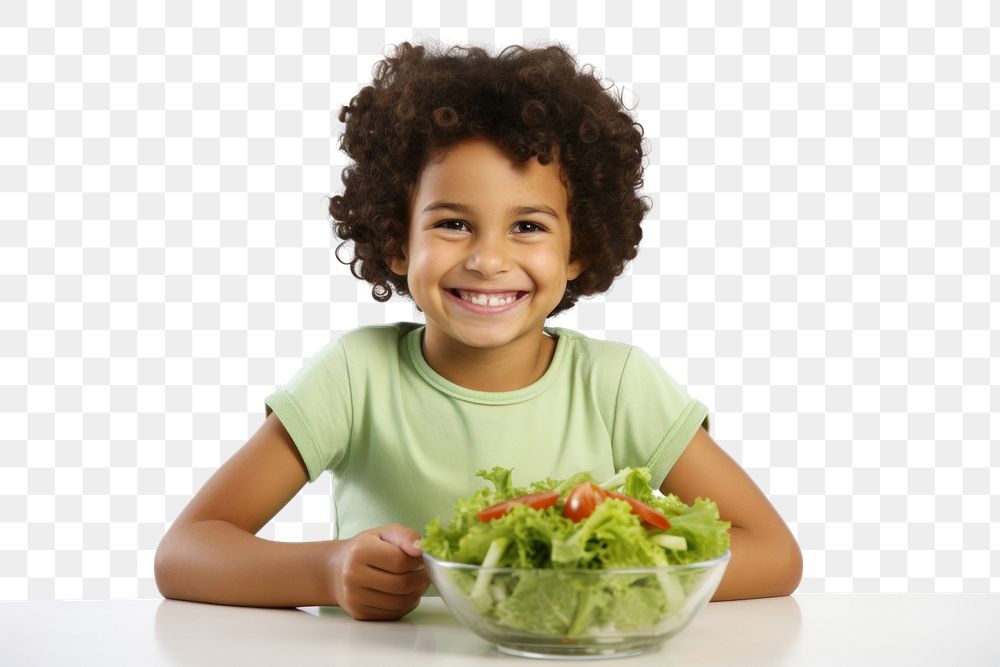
(536, 501)
(582, 500)
(646, 513)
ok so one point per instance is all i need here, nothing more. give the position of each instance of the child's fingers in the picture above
(405, 538)
(370, 593)
(392, 560)
(406, 583)
(385, 607)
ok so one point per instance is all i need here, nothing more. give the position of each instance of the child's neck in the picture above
(511, 367)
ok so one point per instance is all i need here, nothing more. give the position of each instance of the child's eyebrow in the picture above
(517, 210)
(535, 208)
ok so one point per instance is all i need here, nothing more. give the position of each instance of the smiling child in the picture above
(494, 191)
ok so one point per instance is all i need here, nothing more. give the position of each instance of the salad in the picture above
(574, 525)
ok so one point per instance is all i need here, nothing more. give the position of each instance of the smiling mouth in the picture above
(487, 299)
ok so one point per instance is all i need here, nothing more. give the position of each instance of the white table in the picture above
(808, 630)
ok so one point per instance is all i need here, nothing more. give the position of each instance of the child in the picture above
(494, 191)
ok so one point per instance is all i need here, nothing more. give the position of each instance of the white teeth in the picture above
(491, 300)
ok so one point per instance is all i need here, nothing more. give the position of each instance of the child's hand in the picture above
(378, 575)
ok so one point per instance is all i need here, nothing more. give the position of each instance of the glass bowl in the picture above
(558, 613)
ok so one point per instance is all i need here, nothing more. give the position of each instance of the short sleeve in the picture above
(655, 418)
(315, 409)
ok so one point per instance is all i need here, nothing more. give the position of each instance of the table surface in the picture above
(884, 629)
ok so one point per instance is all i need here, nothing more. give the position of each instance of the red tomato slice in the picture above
(645, 512)
(582, 500)
(536, 501)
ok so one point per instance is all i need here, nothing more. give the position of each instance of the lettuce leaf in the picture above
(707, 537)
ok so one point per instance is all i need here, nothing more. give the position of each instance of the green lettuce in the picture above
(532, 541)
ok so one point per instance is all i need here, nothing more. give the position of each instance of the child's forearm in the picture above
(214, 561)
(761, 565)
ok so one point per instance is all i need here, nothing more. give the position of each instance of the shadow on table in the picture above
(190, 632)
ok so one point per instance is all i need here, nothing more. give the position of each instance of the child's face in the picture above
(487, 257)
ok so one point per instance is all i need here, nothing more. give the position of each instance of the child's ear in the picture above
(574, 269)
(399, 264)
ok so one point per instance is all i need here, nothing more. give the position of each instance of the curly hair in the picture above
(531, 103)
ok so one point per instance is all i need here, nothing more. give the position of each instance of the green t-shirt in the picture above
(403, 443)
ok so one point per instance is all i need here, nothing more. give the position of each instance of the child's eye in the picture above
(526, 227)
(454, 225)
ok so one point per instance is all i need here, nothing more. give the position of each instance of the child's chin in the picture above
(487, 340)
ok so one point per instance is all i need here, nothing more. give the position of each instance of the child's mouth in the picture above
(487, 301)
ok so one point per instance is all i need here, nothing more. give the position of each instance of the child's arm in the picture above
(766, 560)
(211, 552)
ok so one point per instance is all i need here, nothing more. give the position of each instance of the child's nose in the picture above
(488, 256)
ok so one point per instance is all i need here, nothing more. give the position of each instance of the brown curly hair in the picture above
(531, 103)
